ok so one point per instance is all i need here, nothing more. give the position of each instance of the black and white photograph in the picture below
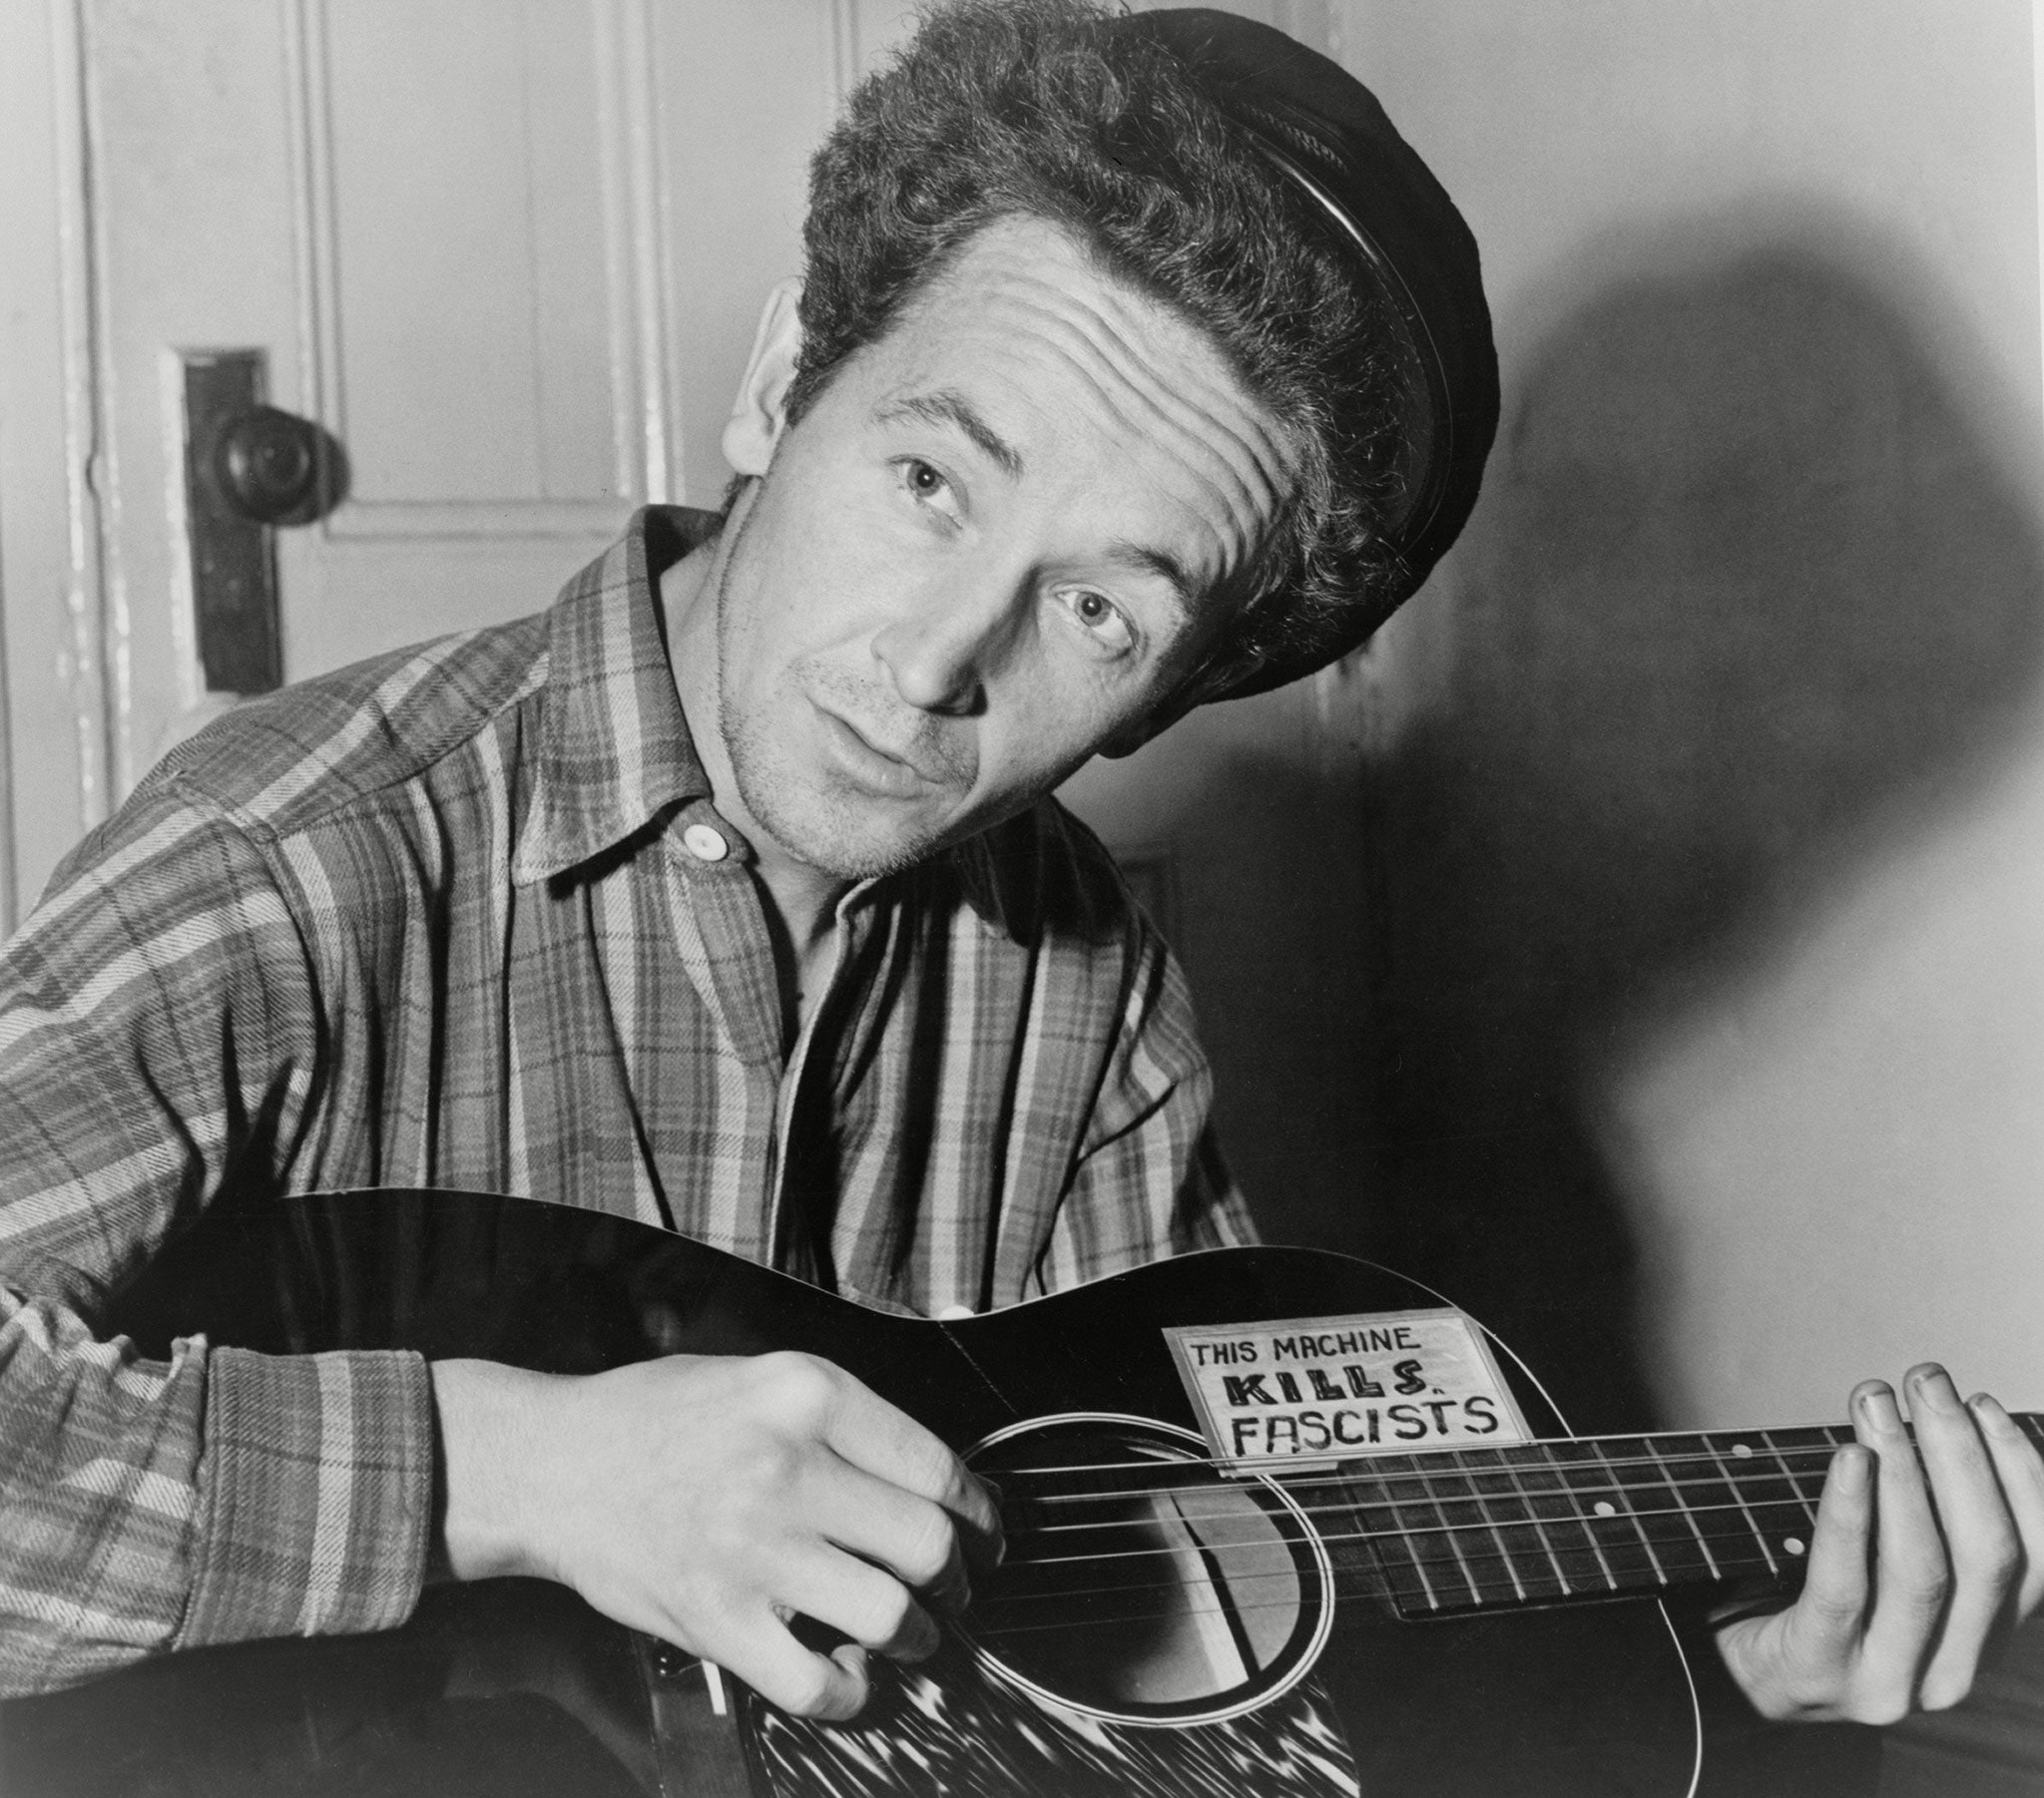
(1021, 899)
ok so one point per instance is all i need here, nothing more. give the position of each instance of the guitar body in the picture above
(1573, 1701)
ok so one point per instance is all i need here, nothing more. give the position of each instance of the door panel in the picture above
(509, 256)
(473, 271)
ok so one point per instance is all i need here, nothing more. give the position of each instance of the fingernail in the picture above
(1933, 1386)
(1879, 1406)
(1987, 1407)
(1852, 1468)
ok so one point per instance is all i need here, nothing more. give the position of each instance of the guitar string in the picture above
(1794, 1496)
(1511, 1459)
(1503, 1594)
(1353, 1582)
(1445, 1530)
(1436, 1488)
(1467, 1571)
(1521, 1518)
(1730, 1449)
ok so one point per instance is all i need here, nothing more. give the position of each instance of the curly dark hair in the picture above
(1043, 108)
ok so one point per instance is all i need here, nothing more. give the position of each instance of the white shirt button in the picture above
(703, 844)
(954, 1313)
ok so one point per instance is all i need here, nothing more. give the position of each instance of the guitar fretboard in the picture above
(1594, 1517)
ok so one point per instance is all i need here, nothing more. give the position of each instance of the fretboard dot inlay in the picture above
(1605, 1508)
(1742, 1451)
(1793, 1544)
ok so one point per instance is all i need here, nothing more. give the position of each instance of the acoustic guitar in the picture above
(1279, 1522)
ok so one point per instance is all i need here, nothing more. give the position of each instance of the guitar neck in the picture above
(1463, 1531)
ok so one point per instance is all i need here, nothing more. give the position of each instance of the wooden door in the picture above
(508, 253)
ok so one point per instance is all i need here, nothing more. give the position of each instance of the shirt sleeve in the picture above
(158, 1031)
(1149, 1179)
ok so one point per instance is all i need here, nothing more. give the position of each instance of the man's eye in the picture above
(1101, 619)
(924, 481)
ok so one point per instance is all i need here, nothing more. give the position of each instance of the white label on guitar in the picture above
(1321, 1389)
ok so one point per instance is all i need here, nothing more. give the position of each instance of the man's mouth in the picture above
(873, 763)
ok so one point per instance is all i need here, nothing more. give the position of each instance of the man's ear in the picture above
(760, 413)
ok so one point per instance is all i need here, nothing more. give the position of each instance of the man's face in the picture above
(998, 539)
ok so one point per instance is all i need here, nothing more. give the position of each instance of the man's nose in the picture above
(944, 646)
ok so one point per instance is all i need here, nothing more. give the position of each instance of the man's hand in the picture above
(705, 1500)
(1908, 1576)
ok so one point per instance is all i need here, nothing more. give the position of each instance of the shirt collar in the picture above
(615, 752)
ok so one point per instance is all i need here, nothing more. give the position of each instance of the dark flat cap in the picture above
(1373, 196)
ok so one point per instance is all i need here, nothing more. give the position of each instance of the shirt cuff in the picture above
(316, 1495)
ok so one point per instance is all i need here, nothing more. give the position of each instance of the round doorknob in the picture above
(267, 464)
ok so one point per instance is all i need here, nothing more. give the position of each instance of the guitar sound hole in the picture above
(1139, 1584)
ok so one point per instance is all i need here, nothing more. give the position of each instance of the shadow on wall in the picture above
(1745, 592)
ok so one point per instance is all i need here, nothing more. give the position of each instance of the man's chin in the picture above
(844, 839)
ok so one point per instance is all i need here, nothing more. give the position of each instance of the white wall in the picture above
(1831, 1147)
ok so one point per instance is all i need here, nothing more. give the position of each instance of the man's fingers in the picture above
(913, 1537)
(869, 1605)
(1911, 1574)
(880, 1439)
(802, 1682)
(1802, 1661)
(1833, 1606)
(1981, 1539)
(2022, 1473)
(888, 1443)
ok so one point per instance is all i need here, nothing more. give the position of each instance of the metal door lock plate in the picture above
(234, 554)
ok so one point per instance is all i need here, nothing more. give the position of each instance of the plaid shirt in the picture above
(434, 921)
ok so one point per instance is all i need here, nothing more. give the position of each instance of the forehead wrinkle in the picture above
(1241, 497)
(1210, 472)
(1125, 318)
(1245, 478)
(1025, 255)
(948, 406)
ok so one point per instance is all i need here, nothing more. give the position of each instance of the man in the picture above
(1137, 363)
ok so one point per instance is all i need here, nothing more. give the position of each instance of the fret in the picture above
(1778, 1502)
(1400, 1536)
(1454, 1522)
(1505, 1558)
(1682, 1494)
(1709, 1503)
(1557, 1504)
(1623, 1470)
(1606, 1510)
(1660, 1508)
(1539, 1528)
(1756, 1534)
(1508, 1518)
(1806, 1459)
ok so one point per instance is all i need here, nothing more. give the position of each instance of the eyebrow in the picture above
(1161, 563)
(947, 406)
